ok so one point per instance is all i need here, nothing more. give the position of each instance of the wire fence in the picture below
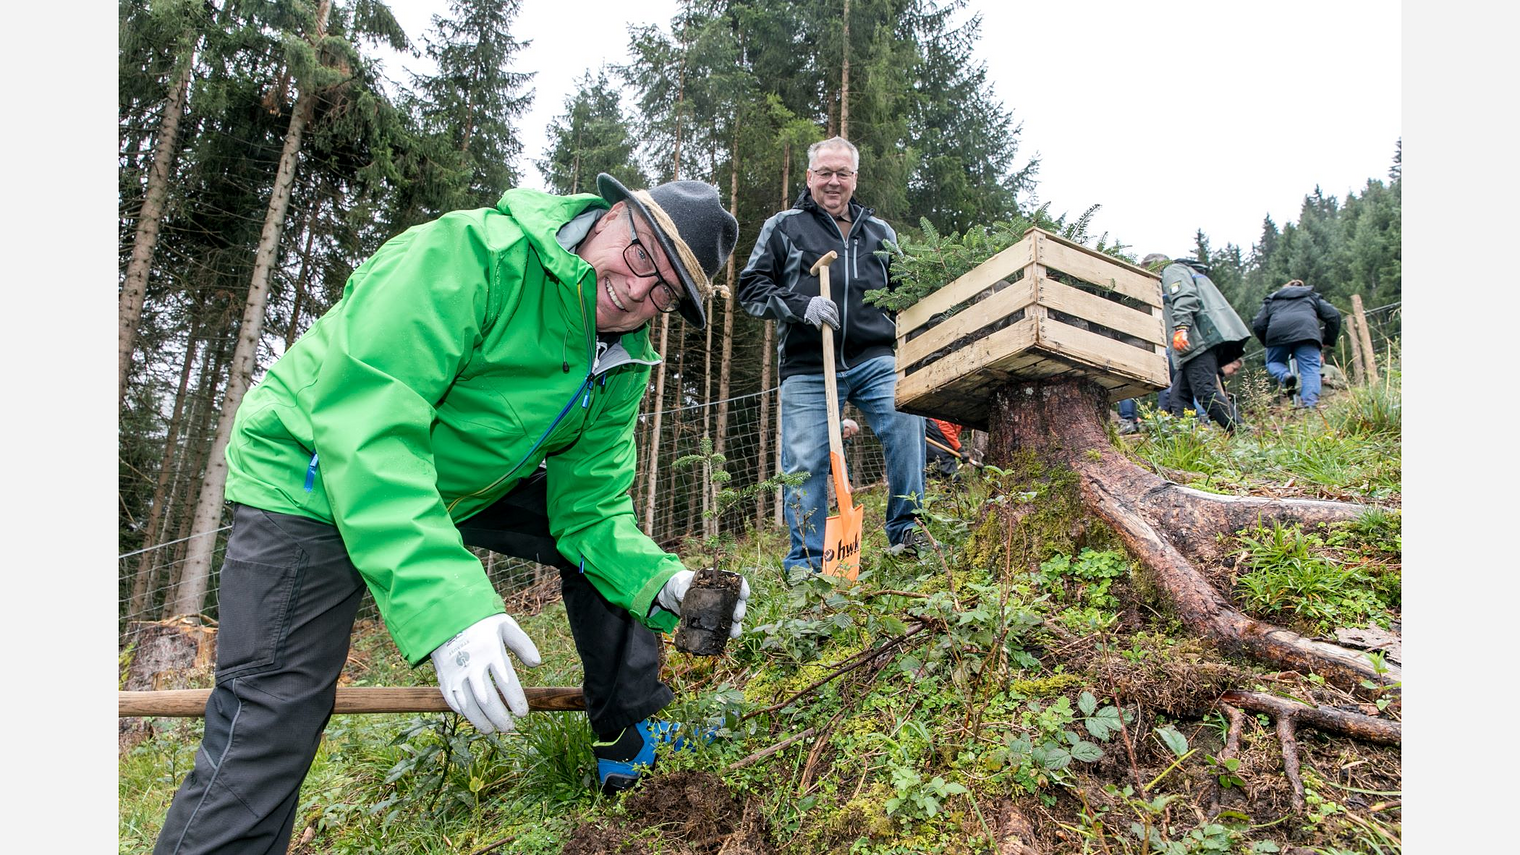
(674, 501)
(672, 510)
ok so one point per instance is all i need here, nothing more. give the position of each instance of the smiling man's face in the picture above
(624, 299)
(831, 179)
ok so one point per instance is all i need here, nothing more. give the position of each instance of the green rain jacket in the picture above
(1191, 301)
(460, 356)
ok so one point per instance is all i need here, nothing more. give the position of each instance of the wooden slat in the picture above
(1103, 353)
(1096, 268)
(1090, 307)
(979, 279)
(191, 703)
(1007, 341)
(972, 318)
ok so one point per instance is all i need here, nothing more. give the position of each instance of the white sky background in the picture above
(1173, 116)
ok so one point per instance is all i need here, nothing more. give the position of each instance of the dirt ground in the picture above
(690, 813)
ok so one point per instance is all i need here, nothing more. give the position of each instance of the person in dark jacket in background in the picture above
(777, 284)
(1295, 321)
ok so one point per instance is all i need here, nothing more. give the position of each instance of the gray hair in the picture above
(834, 142)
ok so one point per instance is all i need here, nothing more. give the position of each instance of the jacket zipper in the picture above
(585, 388)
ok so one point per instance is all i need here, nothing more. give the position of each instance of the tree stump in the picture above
(1166, 526)
(175, 653)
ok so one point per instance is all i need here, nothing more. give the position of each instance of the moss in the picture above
(1045, 687)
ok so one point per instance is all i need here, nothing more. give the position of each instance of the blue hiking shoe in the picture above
(622, 761)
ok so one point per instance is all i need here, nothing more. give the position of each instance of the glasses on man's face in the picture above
(831, 174)
(665, 297)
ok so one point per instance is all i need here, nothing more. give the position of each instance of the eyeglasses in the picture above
(830, 174)
(665, 296)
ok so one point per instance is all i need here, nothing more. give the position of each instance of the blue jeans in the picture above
(1129, 408)
(871, 386)
(1306, 354)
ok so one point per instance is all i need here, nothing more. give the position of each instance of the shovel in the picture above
(841, 532)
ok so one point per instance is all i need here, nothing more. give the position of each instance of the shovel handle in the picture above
(820, 269)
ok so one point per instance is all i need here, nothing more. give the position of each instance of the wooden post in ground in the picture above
(1368, 354)
(1356, 349)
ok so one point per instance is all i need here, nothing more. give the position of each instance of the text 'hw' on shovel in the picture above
(841, 532)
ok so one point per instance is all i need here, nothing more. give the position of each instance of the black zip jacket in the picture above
(1293, 314)
(776, 284)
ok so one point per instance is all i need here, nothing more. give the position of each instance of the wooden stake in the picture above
(1368, 353)
(1356, 349)
(191, 703)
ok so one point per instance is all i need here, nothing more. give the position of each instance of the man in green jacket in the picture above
(1205, 335)
(477, 384)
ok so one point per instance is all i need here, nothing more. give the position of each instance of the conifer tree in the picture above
(470, 104)
(592, 136)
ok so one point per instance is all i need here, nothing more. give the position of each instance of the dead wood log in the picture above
(1060, 421)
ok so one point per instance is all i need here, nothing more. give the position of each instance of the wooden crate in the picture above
(1041, 308)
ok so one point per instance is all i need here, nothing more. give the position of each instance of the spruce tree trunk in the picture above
(721, 441)
(149, 222)
(147, 565)
(844, 78)
(708, 488)
(208, 509)
(188, 477)
(654, 429)
(293, 330)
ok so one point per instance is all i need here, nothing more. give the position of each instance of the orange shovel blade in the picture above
(841, 532)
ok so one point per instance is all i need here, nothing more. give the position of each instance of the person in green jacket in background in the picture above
(477, 384)
(1206, 334)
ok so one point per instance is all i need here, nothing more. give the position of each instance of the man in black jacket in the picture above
(776, 284)
(1296, 322)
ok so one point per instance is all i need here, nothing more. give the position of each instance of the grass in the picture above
(1033, 624)
(1349, 448)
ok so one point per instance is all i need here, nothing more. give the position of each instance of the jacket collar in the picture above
(806, 202)
(541, 215)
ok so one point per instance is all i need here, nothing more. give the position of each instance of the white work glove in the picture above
(674, 593)
(820, 312)
(476, 677)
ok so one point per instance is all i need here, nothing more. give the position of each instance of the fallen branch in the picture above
(850, 664)
(764, 753)
(1355, 725)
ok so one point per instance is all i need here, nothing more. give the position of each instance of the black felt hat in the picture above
(692, 227)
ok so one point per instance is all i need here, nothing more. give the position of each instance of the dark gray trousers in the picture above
(1198, 378)
(287, 600)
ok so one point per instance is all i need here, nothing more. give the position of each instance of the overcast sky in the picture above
(1173, 116)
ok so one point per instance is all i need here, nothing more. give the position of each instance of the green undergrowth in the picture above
(1347, 448)
(1019, 678)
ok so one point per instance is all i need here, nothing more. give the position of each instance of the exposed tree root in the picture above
(1230, 750)
(1163, 523)
(1355, 725)
(1287, 734)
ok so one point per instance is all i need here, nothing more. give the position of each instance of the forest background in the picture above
(66, 472)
